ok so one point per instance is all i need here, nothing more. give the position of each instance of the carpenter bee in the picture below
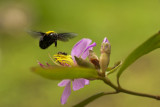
(50, 37)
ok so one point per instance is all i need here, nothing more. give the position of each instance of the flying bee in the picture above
(50, 37)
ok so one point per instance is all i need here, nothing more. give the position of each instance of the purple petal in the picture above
(64, 82)
(105, 40)
(86, 81)
(80, 47)
(78, 83)
(86, 52)
(66, 93)
(41, 64)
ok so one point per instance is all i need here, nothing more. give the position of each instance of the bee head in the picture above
(48, 32)
(51, 34)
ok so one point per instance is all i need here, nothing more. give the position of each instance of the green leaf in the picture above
(92, 98)
(148, 46)
(59, 73)
(88, 100)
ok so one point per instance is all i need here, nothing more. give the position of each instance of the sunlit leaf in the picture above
(59, 73)
(148, 46)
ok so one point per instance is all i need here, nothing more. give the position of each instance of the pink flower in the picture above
(80, 49)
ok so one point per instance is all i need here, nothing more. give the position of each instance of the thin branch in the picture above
(119, 89)
(140, 94)
(107, 81)
(108, 93)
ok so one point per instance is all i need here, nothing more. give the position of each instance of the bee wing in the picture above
(36, 34)
(66, 36)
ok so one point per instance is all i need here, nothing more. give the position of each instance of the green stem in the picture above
(140, 94)
(107, 81)
(119, 89)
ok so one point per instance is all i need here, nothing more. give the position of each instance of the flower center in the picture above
(63, 59)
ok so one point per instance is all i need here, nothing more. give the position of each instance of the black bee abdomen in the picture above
(46, 41)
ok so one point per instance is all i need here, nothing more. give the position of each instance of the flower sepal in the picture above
(83, 63)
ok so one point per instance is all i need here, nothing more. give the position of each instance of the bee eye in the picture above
(51, 34)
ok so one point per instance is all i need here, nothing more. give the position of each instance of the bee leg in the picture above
(55, 43)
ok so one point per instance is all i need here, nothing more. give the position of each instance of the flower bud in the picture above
(105, 55)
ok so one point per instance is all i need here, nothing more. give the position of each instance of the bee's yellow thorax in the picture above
(48, 32)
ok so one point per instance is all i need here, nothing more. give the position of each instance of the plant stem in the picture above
(119, 89)
(107, 81)
(140, 94)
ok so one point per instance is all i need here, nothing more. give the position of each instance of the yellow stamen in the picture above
(48, 32)
(53, 60)
(65, 60)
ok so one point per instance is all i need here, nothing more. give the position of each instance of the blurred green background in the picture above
(125, 23)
